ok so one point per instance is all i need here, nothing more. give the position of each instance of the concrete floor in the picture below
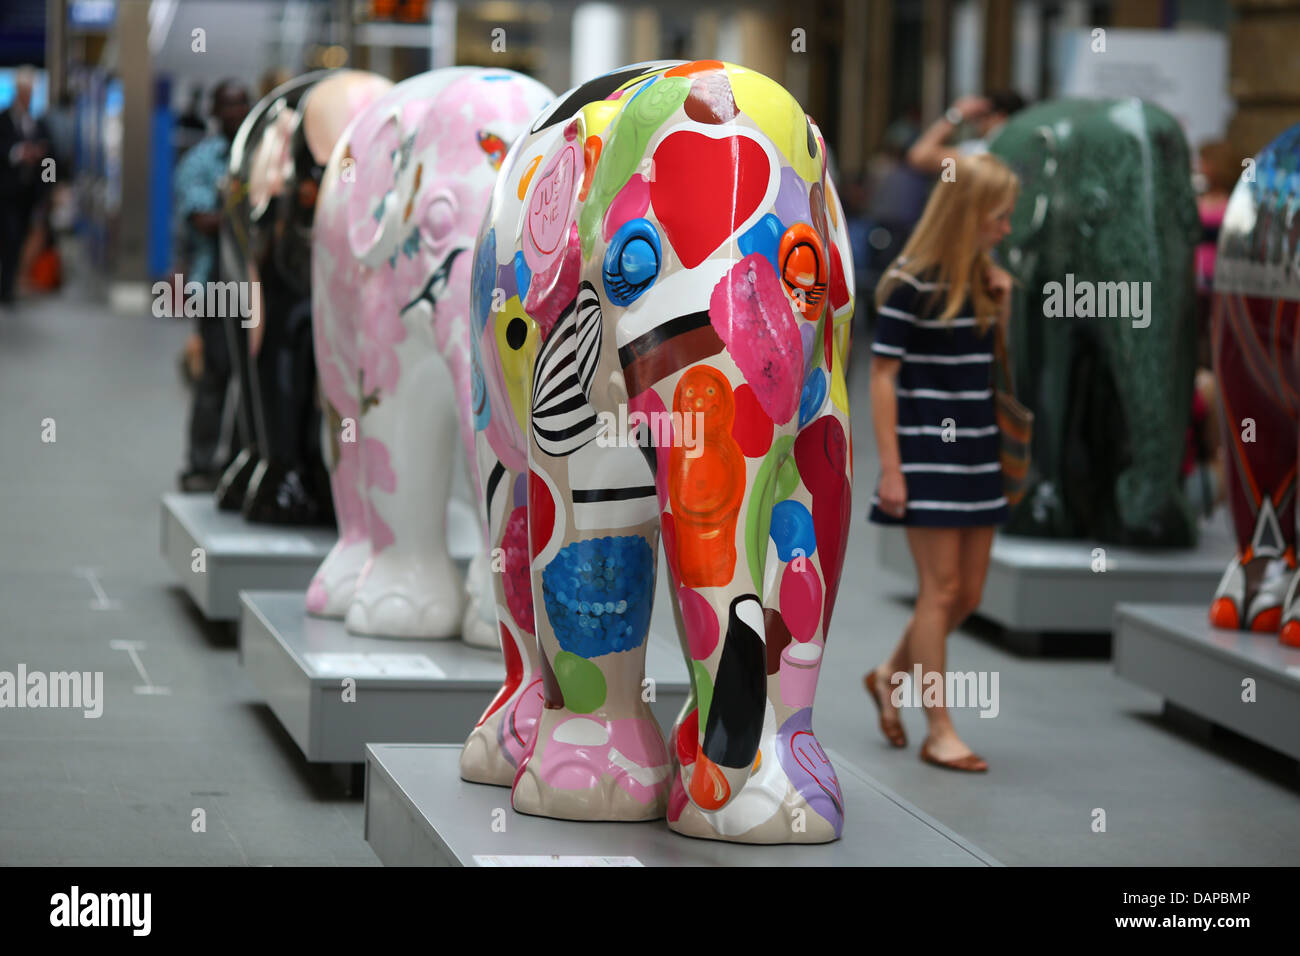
(123, 789)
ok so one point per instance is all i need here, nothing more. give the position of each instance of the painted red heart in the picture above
(704, 188)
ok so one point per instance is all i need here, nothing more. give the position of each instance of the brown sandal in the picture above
(893, 730)
(969, 763)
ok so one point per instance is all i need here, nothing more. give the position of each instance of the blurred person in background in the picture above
(893, 197)
(985, 114)
(190, 125)
(24, 145)
(198, 181)
(1217, 169)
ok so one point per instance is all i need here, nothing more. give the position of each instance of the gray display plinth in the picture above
(1172, 651)
(236, 554)
(405, 691)
(1041, 586)
(419, 812)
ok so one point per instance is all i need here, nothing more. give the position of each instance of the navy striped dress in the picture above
(948, 438)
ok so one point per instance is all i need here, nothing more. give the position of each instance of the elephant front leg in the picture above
(599, 753)
(411, 587)
(802, 491)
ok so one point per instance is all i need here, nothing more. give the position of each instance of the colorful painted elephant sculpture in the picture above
(400, 205)
(1103, 330)
(665, 248)
(1256, 341)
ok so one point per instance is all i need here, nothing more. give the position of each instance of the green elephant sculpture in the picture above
(1103, 335)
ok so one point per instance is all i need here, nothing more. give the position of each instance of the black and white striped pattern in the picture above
(562, 417)
(948, 439)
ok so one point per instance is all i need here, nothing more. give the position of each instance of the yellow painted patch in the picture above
(516, 364)
(839, 391)
(597, 116)
(778, 115)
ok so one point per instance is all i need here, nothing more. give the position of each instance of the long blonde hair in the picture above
(944, 242)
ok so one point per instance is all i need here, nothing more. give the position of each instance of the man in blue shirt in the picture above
(198, 181)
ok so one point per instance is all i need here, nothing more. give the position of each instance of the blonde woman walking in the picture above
(940, 307)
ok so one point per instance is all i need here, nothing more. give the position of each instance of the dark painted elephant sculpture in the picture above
(1256, 341)
(1103, 333)
(277, 161)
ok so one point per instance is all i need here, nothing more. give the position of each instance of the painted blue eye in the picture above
(631, 261)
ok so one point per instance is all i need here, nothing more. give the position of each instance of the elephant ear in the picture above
(549, 240)
(372, 205)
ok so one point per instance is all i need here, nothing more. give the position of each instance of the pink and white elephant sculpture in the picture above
(400, 204)
(660, 328)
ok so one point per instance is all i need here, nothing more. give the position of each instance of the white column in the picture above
(965, 45)
(442, 39)
(1028, 40)
(599, 44)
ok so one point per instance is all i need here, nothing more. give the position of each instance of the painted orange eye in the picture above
(803, 268)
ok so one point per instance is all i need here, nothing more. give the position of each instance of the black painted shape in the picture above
(739, 693)
(590, 92)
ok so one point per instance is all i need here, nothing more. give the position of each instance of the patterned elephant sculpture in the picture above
(400, 205)
(1256, 342)
(285, 482)
(1103, 332)
(660, 322)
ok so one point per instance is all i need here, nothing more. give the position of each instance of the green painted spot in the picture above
(703, 690)
(787, 480)
(581, 682)
(625, 149)
(758, 519)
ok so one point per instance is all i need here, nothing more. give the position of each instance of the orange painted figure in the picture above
(706, 484)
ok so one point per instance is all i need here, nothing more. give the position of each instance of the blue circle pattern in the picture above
(599, 594)
(523, 275)
(765, 239)
(792, 530)
(483, 278)
(814, 394)
(631, 262)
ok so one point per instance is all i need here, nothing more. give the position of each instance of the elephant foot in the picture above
(585, 768)
(278, 495)
(335, 581)
(475, 631)
(481, 759)
(498, 745)
(1252, 595)
(398, 596)
(233, 485)
(792, 794)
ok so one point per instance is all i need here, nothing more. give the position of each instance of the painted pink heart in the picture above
(705, 188)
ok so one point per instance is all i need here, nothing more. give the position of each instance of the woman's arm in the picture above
(884, 419)
(930, 150)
